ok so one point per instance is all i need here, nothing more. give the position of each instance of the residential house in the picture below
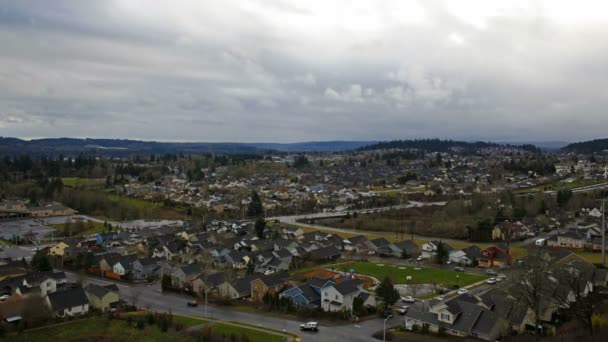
(124, 265)
(216, 284)
(307, 294)
(510, 231)
(267, 284)
(103, 298)
(495, 256)
(145, 268)
(358, 244)
(185, 275)
(571, 239)
(324, 254)
(429, 249)
(463, 315)
(71, 302)
(339, 297)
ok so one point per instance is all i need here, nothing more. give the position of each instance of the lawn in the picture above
(96, 329)
(399, 273)
(89, 183)
(254, 335)
(148, 208)
(91, 228)
(594, 258)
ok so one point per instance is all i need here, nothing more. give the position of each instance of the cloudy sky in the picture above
(284, 71)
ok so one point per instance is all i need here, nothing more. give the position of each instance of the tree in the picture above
(442, 253)
(563, 196)
(404, 254)
(260, 225)
(358, 305)
(387, 292)
(255, 209)
(166, 282)
(40, 262)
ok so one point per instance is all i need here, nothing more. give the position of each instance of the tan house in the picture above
(102, 297)
(52, 210)
(271, 284)
(58, 249)
(571, 239)
(510, 231)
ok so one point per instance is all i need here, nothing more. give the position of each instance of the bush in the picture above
(379, 335)
(441, 331)
(140, 324)
(425, 328)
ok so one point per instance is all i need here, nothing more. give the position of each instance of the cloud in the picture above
(247, 71)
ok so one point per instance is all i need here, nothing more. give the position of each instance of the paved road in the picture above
(150, 297)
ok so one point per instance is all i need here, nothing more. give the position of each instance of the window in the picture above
(445, 317)
(336, 296)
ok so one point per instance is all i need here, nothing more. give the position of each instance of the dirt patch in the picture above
(338, 277)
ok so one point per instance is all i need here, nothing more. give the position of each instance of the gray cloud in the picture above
(293, 71)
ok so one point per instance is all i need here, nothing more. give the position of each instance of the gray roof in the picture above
(348, 287)
(96, 290)
(67, 299)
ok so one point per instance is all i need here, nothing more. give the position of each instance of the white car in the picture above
(4, 297)
(462, 291)
(403, 310)
(442, 297)
(408, 299)
(491, 281)
(420, 258)
(309, 326)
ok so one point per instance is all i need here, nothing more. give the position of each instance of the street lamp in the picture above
(384, 329)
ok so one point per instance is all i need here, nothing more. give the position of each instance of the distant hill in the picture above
(438, 145)
(125, 148)
(591, 146)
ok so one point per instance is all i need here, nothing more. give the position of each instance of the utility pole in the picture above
(603, 231)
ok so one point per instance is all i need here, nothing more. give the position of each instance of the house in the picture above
(145, 268)
(463, 315)
(571, 239)
(292, 232)
(358, 244)
(510, 231)
(410, 247)
(379, 243)
(103, 238)
(267, 284)
(497, 255)
(471, 254)
(429, 249)
(51, 210)
(42, 283)
(216, 284)
(58, 249)
(307, 294)
(103, 298)
(107, 261)
(124, 265)
(241, 287)
(339, 297)
(71, 302)
(329, 253)
(185, 275)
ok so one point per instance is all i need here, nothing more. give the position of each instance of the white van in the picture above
(541, 242)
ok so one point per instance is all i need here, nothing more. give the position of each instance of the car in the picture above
(309, 326)
(408, 299)
(458, 269)
(490, 272)
(4, 297)
(420, 258)
(442, 297)
(192, 303)
(387, 314)
(491, 281)
(403, 310)
(501, 276)
(448, 262)
(462, 291)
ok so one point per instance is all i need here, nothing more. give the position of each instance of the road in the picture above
(150, 297)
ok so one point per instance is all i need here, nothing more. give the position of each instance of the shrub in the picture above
(140, 324)
(425, 328)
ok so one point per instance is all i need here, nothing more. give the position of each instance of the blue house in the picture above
(307, 294)
(103, 238)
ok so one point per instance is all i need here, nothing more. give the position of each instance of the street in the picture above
(149, 297)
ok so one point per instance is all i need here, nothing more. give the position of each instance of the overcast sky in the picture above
(285, 71)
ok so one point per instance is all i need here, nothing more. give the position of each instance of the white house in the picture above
(340, 297)
(72, 302)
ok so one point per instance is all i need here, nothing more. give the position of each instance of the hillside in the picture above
(125, 147)
(438, 145)
(591, 146)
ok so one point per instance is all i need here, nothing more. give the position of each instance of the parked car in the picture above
(403, 310)
(490, 271)
(491, 281)
(309, 326)
(442, 297)
(458, 269)
(408, 299)
(387, 314)
(501, 276)
(4, 297)
(462, 291)
(420, 258)
(192, 303)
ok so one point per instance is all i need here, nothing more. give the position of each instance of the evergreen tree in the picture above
(260, 225)
(256, 209)
(40, 262)
(387, 292)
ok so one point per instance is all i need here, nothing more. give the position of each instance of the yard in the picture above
(85, 183)
(400, 273)
(101, 329)
(90, 228)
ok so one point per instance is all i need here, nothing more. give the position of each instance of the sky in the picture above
(288, 71)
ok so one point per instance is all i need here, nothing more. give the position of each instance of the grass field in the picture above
(100, 329)
(147, 207)
(95, 228)
(595, 258)
(421, 276)
(88, 183)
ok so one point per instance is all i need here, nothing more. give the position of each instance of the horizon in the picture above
(288, 71)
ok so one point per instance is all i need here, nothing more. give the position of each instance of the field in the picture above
(421, 276)
(100, 329)
(147, 208)
(84, 183)
(90, 228)
(560, 184)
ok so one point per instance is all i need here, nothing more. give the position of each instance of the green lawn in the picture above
(91, 183)
(421, 276)
(98, 329)
(91, 228)
(254, 336)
